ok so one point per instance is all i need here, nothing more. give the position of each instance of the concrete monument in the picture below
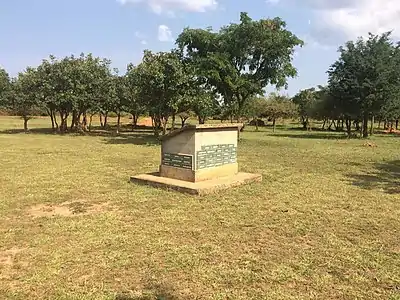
(199, 159)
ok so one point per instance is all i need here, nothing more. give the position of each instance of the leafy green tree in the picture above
(121, 97)
(240, 60)
(73, 86)
(255, 109)
(135, 106)
(365, 76)
(279, 107)
(23, 97)
(5, 86)
(205, 105)
(305, 100)
(161, 83)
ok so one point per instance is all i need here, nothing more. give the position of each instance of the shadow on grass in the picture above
(308, 135)
(134, 139)
(95, 131)
(157, 292)
(385, 177)
(30, 131)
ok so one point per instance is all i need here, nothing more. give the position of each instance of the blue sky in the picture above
(30, 30)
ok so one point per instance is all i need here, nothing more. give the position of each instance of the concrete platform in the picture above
(197, 188)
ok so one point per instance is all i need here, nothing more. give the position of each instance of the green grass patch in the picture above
(323, 224)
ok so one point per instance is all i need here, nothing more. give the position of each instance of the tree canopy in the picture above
(240, 60)
(214, 74)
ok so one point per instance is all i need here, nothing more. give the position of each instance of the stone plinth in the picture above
(198, 154)
(200, 188)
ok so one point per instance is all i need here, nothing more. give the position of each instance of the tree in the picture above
(23, 96)
(134, 105)
(279, 106)
(161, 82)
(120, 97)
(365, 76)
(73, 86)
(5, 86)
(305, 100)
(255, 108)
(240, 60)
(205, 105)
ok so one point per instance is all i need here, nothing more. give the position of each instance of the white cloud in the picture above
(139, 35)
(168, 6)
(348, 19)
(357, 18)
(164, 34)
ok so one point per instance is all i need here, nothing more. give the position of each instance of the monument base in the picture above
(199, 175)
(197, 188)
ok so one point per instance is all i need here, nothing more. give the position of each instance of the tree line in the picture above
(214, 74)
(208, 73)
(363, 87)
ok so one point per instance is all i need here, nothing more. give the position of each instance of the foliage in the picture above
(4, 86)
(366, 78)
(305, 101)
(23, 97)
(240, 60)
(214, 74)
(161, 82)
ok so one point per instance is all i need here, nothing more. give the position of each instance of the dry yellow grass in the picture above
(323, 224)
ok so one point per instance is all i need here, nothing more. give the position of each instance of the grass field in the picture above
(323, 224)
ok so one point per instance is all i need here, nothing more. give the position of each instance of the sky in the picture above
(31, 30)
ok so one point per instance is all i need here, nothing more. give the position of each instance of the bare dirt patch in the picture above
(7, 256)
(69, 209)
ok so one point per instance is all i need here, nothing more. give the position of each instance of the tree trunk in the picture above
(273, 124)
(135, 118)
(256, 122)
(305, 122)
(332, 123)
(156, 122)
(105, 119)
(365, 125)
(357, 125)
(164, 122)
(323, 125)
(348, 127)
(183, 120)
(64, 122)
(74, 119)
(90, 122)
(77, 126)
(26, 119)
(55, 120)
(118, 121)
(101, 120)
(173, 122)
(53, 127)
(379, 124)
(51, 114)
(371, 129)
(231, 118)
(85, 122)
(202, 120)
(397, 124)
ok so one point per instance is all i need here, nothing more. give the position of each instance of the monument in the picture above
(199, 159)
